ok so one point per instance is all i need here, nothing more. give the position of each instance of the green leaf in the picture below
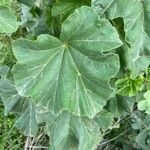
(142, 139)
(3, 71)
(104, 119)
(120, 105)
(28, 2)
(14, 103)
(66, 7)
(145, 104)
(10, 97)
(8, 21)
(8, 93)
(70, 73)
(67, 131)
(136, 18)
(1, 45)
(27, 121)
(63, 7)
(129, 87)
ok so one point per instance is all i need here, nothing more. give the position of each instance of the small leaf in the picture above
(9, 96)
(120, 105)
(66, 7)
(145, 104)
(3, 71)
(27, 121)
(1, 45)
(63, 7)
(8, 21)
(142, 139)
(28, 2)
(104, 119)
(14, 103)
(129, 87)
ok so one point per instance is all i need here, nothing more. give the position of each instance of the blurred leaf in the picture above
(13, 102)
(120, 105)
(1, 45)
(143, 139)
(104, 119)
(3, 71)
(27, 121)
(65, 6)
(28, 2)
(8, 21)
(144, 105)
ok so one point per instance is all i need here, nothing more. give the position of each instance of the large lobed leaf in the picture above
(70, 73)
(136, 16)
(65, 130)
